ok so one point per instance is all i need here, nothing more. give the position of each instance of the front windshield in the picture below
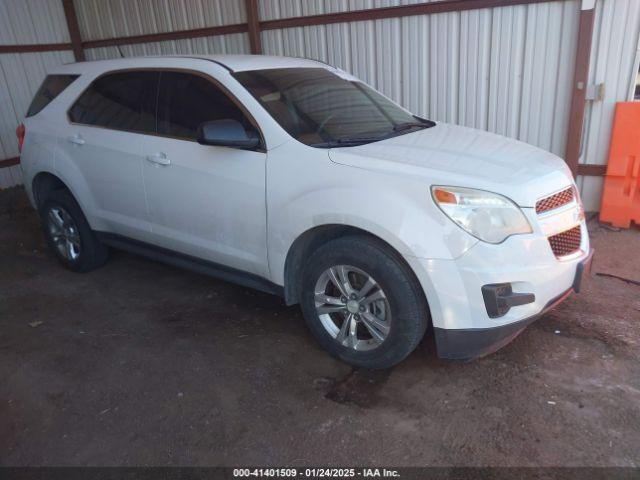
(322, 109)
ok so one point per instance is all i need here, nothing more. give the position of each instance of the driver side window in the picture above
(186, 100)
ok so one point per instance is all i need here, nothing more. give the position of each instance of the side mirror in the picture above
(226, 133)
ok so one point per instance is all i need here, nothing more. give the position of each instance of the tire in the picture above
(64, 224)
(395, 321)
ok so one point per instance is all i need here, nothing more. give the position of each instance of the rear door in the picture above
(204, 201)
(104, 144)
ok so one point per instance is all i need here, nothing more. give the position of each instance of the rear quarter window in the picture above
(52, 86)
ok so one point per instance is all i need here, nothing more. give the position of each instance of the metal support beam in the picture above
(74, 29)
(253, 22)
(592, 170)
(425, 8)
(9, 162)
(580, 78)
(35, 47)
(161, 37)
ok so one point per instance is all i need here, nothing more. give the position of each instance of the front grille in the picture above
(556, 200)
(566, 243)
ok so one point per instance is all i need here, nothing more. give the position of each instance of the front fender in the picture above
(398, 212)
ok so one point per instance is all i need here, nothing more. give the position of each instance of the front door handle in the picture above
(76, 140)
(159, 158)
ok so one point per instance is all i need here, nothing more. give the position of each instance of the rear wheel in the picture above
(69, 235)
(362, 303)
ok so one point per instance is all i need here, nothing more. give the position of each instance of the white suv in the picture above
(293, 177)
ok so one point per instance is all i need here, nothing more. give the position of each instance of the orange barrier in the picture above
(621, 195)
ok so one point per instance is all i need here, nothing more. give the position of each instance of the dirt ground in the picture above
(139, 363)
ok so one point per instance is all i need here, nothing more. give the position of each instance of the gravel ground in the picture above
(139, 363)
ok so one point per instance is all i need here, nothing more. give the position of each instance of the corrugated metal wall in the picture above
(25, 22)
(614, 63)
(508, 70)
(43, 21)
(101, 19)
(276, 9)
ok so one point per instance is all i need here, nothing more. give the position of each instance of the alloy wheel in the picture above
(352, 307)
(64, 233)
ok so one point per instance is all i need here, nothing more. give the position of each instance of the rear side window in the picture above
(187, 100)
(120, 101)
(52, 86)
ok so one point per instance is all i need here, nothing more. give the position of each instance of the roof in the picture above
(239, 63)
(234, 63)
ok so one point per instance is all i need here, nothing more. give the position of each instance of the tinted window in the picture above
(122, 101)
(52, 86)
(320, 108)
(187, 100)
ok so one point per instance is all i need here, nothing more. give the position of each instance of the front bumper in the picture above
(467, 344)
(464, 329)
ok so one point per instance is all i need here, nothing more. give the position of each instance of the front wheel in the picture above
(363, 303)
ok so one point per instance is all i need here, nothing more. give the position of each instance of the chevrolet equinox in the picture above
(293, 177)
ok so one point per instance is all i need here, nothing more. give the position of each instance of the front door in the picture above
(204, 201)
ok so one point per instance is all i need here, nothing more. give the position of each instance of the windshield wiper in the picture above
(348, 142)
(355, 141)
(400, 127)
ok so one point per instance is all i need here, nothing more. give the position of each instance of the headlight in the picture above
(485, 215)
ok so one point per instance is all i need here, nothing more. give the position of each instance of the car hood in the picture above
(465, 157)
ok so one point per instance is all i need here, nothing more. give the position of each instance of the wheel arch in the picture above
(312, 239)
(43, 184)
(46, 180)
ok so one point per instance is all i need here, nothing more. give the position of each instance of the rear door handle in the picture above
(76, 140)
(159, 158)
